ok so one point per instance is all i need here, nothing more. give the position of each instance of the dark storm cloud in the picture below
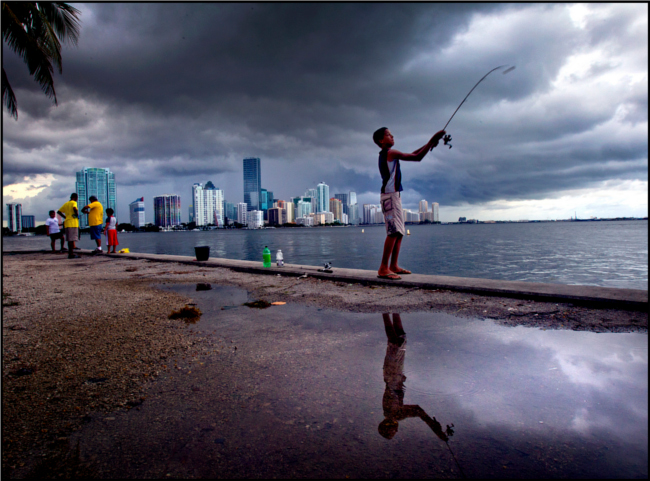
(160, 91)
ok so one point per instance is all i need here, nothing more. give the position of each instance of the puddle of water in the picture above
(317, 393)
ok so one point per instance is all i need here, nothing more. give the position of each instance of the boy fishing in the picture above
(391, 202)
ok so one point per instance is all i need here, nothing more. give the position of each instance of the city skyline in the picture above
(565, 131)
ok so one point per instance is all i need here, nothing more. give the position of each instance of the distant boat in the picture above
(408, 232)
(362, 231)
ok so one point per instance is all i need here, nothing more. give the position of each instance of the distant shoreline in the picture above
(471, 221)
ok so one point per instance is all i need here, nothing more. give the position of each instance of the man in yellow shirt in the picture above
(70, 213)
(95, 212)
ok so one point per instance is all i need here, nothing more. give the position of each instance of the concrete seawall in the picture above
(591, 296)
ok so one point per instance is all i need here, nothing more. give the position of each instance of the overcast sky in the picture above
(166, 95)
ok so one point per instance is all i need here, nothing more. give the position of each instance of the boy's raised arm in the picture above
(419, 154)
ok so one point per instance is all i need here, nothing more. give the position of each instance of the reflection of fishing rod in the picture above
(452, 455)
(447, 138)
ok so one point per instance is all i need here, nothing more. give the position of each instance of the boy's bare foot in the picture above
(399, 270)
(391, 276)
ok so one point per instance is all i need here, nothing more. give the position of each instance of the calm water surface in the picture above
(294, 391)
(610, 254)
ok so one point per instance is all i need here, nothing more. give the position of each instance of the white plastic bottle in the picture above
(279, 258)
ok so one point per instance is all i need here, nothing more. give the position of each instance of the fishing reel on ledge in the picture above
(446, 139)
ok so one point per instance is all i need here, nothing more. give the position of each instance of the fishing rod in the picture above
(447, 138)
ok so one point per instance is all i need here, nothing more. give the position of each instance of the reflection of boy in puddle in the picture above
(393, 402)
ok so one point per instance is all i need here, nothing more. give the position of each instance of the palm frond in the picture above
(8, 97)
(63, 18)
(35, 31)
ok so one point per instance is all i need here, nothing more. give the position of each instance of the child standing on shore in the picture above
(111, 231)
(391, 202)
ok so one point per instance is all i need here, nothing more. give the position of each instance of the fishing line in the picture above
(447, 138)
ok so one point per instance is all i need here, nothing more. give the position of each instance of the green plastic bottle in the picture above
(266, 255)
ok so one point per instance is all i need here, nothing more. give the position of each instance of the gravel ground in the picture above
(85, 335)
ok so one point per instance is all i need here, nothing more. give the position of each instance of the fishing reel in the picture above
(447, 139)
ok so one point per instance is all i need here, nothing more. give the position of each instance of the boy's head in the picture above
(383, 138)
(52, 214)
(388, 428)
(92, 198)
(73, 196)
(109, 211)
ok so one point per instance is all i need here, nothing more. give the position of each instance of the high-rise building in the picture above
(344, 198)
(15, 217)
(190, 213)
(252, 183)
(291, 212)
(277, 216)
(27, 221)
(353, 216)
(98, 182)
(229, 212)
(411, 216)
(255, 219)
(167, 210)
(241, 213)
(136, 213)
(311, 193)
(370, 213)
(303, 208)
(353, 208)
(264, 200)
(322, 197)
(208, 204)
(336, 208)
(435, 207)
(424, 206)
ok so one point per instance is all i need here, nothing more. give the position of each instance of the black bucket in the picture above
(202, 253)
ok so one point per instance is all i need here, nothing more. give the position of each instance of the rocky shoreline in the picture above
(85, 335)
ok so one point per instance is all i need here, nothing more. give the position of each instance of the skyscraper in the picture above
(136, 213)
(344, 198)
(353, 215)
(336, 208)
(311, 193)
(28, 221)
(303, 207)
(424, 206)
(15, 217)
(353, 208)
(322, 197)
(208, 204)
(435, 208)
(98, 182)
(252, 182)
(167, 210)
(242, 210)
(229, 212)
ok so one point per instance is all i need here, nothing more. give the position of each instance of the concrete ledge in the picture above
(592, 296)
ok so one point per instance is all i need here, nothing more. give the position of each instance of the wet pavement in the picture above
(297, 391)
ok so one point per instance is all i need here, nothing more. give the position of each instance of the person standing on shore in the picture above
(52, 229)
(95, 212)
(111, 231)
(70, 215)
(391, 202)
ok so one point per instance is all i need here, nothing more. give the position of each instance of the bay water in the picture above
(608, 253)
